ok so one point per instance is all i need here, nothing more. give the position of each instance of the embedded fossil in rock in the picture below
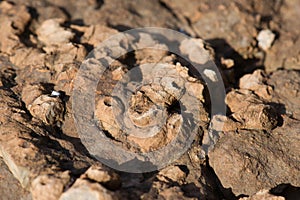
(148, 113)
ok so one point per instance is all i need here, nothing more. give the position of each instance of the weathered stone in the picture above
(286, 86)
(103, 175)
(172, 173)
(51, 33)
(95, 34)
(263, 195)
(29, 150)
(257, 83)
(47, 108)
(49, 186)
(84, 189)
(249, 160)
(10, 187)
(13, 20)
(251, 111)
(162, 86)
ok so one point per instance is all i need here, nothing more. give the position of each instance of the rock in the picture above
(257, 82)
(49, 186)
(223, 123)
(228, 63)
(285, 53)
(13, 19)
(286, 84)
(249, 160)
(84, 189)
(30, 151)
(277, 58)
(235, 26)
(197, 54)
(33, 74)
(173, 193)
(19, 154)
(45, 107)
(251, 111)
(65, 54)
(172, 173)
(263, 195)
(106, 177)
(265, 39)
(51, 33)
(65, 76)
(95, 34)
(146, 115)
(25, 57)
(10, 188)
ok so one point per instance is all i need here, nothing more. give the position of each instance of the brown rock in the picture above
(251, 111)
(257, 83)
(10, 188)
(172, 173)
(173, 193)
(248, 160)
(84, 189)
(285, 52)
(30, 151)
(51, 33)
(43, 106)
(13, 20)
(95, 34)
(263, 195)
(235, 26)
(49, 186)
(24, 57)
(286, 86)
(163, 85)
(104, 176)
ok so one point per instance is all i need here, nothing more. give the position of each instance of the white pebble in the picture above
(55, 94)
(265, 39)
(211, 75)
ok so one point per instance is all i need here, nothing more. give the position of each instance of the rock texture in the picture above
(255, 45)
(249, 160)
(263, 195)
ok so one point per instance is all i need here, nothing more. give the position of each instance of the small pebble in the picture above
(265, 39)
(55, 94)
(211, 75)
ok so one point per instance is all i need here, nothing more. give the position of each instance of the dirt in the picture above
(255, 46)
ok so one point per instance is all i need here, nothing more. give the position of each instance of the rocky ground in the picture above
(255, 45)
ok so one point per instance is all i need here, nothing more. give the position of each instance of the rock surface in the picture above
(43, 43)
(249, 160)
(263, 195)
